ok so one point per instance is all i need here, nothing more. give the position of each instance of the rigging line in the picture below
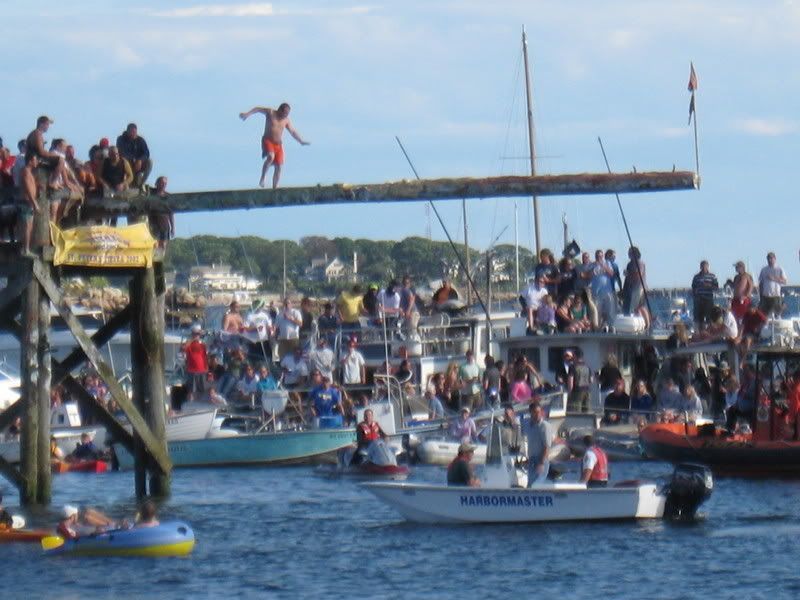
(628, 231)
(450, 239)
(511, 109)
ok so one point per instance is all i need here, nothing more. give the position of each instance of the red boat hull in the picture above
(83, 466)
(8, 536)
(726, 455)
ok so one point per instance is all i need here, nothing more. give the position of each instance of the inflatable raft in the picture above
(174, 538)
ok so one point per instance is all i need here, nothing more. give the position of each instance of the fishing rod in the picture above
(628, 232)
(250, 269)
(452, 243)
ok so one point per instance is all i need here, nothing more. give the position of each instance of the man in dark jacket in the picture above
(133, 148)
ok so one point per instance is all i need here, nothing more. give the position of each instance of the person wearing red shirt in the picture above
(753, 322)
(196, 363)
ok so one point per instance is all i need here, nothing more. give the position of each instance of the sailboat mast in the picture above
(531, 139)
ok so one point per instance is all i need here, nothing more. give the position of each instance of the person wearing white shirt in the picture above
(533, 294)
(322, 359)
(295, 369)
(353, 365)
(770, 280)
(389, 299)
(288, 324)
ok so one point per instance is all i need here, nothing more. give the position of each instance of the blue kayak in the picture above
(173, 538)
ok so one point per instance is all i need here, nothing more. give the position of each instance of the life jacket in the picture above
(600, 470)
(369, 431)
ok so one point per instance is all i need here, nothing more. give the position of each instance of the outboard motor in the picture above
(689, 487)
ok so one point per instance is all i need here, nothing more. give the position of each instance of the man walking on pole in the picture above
(271, 141)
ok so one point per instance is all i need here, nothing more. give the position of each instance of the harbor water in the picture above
(289, 533)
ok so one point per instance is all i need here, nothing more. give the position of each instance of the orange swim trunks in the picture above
(270, 147)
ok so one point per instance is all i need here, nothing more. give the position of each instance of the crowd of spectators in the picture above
(577, 295)
(110, 171)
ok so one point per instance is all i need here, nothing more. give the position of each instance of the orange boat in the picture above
(81, 466)
(23, 535)
(745, 455)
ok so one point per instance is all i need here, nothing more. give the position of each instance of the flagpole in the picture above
(696, 148)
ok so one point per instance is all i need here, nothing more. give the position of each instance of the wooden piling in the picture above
(149, 383)
(29, 376)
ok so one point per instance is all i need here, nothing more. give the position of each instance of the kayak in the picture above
(173, 538)
(23, 535)
(81, 466)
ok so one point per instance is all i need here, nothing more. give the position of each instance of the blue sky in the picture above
(446, 78)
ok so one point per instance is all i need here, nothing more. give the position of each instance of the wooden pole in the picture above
(29, 367)
(147, 358)
(44, 488)
(507, 186)
(531, 141)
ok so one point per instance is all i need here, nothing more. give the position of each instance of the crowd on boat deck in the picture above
(578, 294)
(117, 170)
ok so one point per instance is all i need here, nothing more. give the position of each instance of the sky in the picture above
(446, 77)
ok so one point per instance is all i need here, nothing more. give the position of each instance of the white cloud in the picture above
(253, 9)
(767, 127)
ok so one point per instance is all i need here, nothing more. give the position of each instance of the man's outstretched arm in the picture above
(296, 135)
(255, 110)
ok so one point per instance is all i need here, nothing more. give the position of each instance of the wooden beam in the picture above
(136, 419)
(101, 337)
(114, 427)
(11, 473)
(401, 191)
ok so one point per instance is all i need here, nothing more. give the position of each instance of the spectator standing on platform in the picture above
(742, 291)
(196, 363)
(770, 280)
(704, 284)
(288, 323)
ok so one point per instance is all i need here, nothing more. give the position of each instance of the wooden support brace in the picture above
(99, 339)
(140, 427)
(114, 427)
(11, 473)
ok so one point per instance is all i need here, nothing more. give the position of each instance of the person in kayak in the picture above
(460, 472)
(148, 516)
(68, 526)
(85, 450)
(56, 453)
(6, 520)
(594, 468)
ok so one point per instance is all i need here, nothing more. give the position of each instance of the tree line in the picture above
(378, 260)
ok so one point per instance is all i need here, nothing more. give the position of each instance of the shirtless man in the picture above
(233, 322)
(29, 192)
(271, 142)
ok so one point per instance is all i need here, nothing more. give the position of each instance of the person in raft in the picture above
(147, 516)
(272, 140)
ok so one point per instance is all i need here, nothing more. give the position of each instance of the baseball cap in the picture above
(70, 511)
(465, 447)
(104, 143)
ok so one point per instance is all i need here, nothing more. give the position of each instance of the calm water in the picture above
(287, 533)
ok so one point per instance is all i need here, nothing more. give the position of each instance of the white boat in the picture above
(500, 500)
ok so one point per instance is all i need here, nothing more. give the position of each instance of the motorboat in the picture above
(378, 461)
(501, 499)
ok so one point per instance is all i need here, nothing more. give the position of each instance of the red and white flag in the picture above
(692, 78)
(692, 87)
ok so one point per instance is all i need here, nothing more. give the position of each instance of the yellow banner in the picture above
(103, 246)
